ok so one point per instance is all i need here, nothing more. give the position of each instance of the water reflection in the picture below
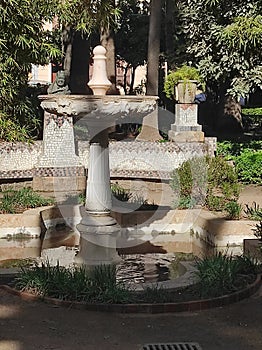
(22, 246)
(61, 243)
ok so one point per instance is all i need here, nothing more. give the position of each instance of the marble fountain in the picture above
(98, 229)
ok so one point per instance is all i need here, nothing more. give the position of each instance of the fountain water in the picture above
(98, 112)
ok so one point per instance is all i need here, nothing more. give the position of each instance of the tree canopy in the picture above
(25, 41)
(224, 39)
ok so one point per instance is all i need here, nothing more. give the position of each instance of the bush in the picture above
(221, 274)
(249, 167)
(252, 116)
(247, 157)
(189, 182)
(120, 193)
(205, 181)
(75, 284)
(253, 212)
(234, 210)
(17, 201)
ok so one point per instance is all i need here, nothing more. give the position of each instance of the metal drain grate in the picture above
(172, 346)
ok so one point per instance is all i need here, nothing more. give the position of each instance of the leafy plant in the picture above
(120, 193)
(155, 294)
(206, 181)
(184, 203)
(76, 284)
(16, 201)
(249, 166)
(184, 74)
(253, 212)
(252, 117)
(234, 210)
(247, 157)
(230, 150)
(221, 274)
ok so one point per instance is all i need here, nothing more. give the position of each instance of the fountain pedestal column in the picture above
(97, 228)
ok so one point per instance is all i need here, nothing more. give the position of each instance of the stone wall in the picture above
(132, 159)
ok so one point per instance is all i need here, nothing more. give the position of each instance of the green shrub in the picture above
(185, 74)
(247, 157)
(120, 193)
(221, 274)
(185, 203)
(249, 167)
(234, 210)
(253, 212)
(189, 182)
(16, 201)
(11, 131)
(252, 116)
(75, 284)
(205, 181)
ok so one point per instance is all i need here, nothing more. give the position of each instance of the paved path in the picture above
(28, 325)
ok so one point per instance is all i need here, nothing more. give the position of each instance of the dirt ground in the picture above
(27, 325)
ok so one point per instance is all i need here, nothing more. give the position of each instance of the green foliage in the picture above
(185, 203)
(252, 117)
(247, 158)
(234, 210)
(155, 294)
(185, 74)
(16, 201)
(253, 212)
(120, 193)
(75, 284)
(131, 38)
(226, 42)
(205, 181)
(249, 167)
(25, 41)
(252, 111)
(189, 182)
(229, 149)
(222, 274)
(11, 131)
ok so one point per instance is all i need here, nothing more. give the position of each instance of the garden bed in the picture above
(185, 302)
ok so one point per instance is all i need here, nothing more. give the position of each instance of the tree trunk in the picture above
(149, 131)
(226, 114)
(153, 48)
(169, 28)
(107, 41)
(79, 75)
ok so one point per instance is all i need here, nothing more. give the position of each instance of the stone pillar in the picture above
(97, 228)
(58, 171)
(186, 128)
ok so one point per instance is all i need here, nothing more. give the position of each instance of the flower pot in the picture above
(186, 91)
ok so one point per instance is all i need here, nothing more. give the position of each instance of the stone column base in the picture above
(186, 136)
(98, 243)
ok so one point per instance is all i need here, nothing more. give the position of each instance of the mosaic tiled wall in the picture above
(127, 159)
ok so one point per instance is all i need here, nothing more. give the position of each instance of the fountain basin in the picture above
(98, 107)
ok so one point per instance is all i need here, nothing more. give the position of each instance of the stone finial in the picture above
(99, 82)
